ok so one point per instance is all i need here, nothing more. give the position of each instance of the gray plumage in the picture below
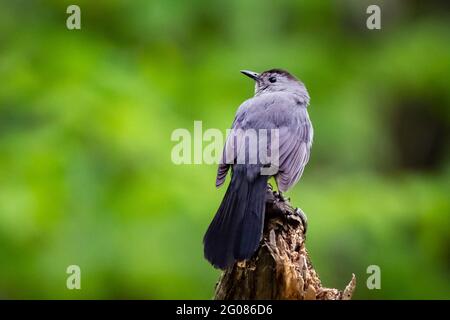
(280, 102)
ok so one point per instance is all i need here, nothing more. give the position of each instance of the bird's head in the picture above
(276, 80)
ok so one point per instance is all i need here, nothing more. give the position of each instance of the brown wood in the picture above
(281, 268)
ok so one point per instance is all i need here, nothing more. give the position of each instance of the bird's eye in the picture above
(272, 79)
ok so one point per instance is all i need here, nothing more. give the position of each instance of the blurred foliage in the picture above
(86, 117)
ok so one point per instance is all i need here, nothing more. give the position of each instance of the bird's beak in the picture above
(251, 74)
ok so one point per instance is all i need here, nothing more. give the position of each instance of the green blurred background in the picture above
(86, 116)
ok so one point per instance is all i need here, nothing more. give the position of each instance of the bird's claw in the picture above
(303, 217)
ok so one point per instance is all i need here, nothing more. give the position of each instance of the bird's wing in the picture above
(294, 150)
(271, 111)
(245, 118)
(230, 151)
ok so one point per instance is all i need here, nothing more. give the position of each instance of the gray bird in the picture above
(280, 102)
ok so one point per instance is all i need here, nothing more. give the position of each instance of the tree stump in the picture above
(280, 268)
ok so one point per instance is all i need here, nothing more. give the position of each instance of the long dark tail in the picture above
(236, 230)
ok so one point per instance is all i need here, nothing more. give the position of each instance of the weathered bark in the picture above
(281, 268)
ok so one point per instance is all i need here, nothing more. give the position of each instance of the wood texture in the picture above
(281, 268)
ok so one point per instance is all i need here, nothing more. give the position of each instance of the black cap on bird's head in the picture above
(269, 73)
(274, 80)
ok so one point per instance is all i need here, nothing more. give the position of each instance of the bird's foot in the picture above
(303, 217)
